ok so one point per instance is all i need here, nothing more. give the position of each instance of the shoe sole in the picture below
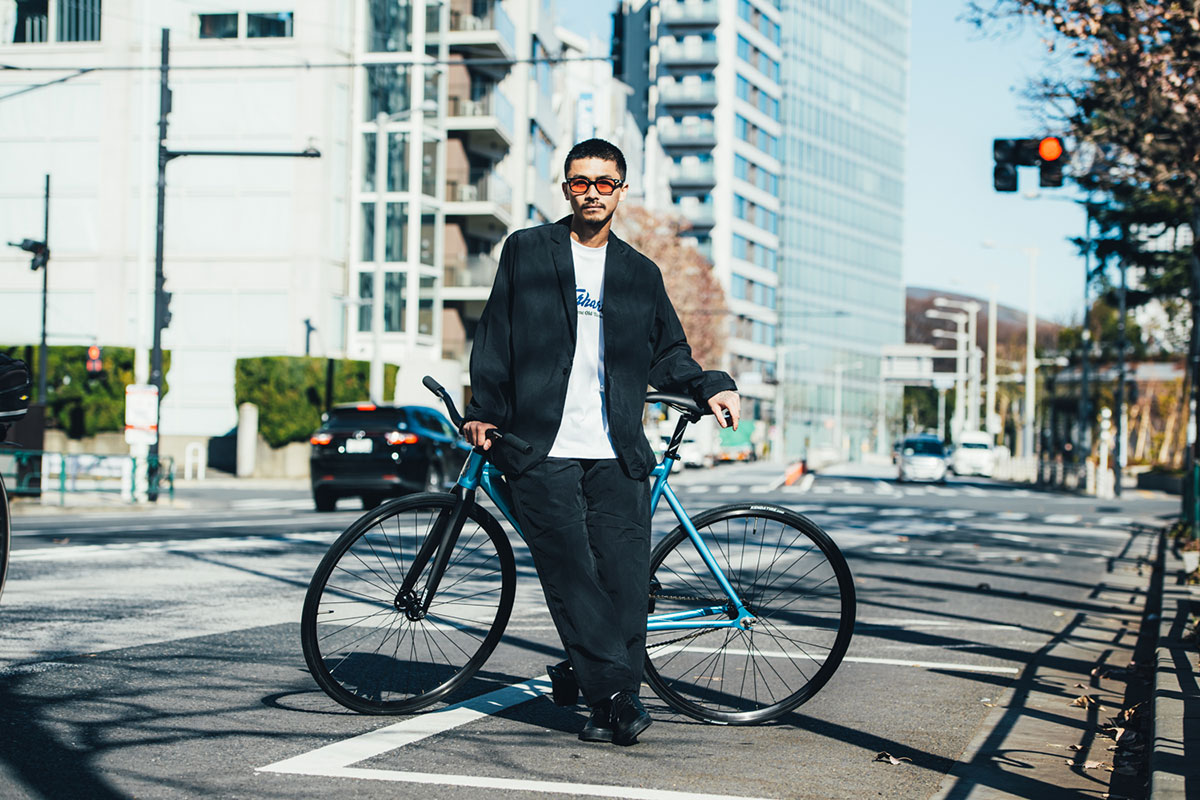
(630, 736)
(596, 736)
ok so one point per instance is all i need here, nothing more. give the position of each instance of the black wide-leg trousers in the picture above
(588, 527)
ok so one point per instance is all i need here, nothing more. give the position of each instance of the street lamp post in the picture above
(41, 260)
(960, 371)
(838, 370)
(972, 308)
(781, 396)
(1029, 446)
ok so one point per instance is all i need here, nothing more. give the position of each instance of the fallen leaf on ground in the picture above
(1060, 613)
(891, 759)
(1080, 686)
(1085, 701)
(1075, 747)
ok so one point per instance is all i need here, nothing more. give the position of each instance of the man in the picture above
(577, 325)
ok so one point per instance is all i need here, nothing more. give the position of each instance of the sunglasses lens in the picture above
(578, 186)
(605, 186)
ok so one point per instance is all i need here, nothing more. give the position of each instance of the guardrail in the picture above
(38, 472)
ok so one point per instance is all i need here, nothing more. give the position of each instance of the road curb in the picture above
(1175, 741)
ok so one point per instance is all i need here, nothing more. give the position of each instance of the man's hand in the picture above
(475, 432)
(721, 402)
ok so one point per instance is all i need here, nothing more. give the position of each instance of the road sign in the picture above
(141, 414)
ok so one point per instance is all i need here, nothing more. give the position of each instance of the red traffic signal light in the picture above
(95, 362)
(1050, 149)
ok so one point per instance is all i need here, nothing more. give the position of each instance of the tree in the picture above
(1134, 110)
(694, 290)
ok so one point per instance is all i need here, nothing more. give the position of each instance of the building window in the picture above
(387, 90)
(393, 301)
(218, 26)
(32, 22)
(389, 26)
(78, 21)
(276, 25)
(425, 297)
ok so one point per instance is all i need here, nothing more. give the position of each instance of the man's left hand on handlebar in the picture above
(726, 401)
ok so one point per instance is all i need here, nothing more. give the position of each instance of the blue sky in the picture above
(965, 90)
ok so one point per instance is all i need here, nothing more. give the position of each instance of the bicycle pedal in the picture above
(564, 689)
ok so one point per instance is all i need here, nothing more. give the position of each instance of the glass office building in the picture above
(841, 296)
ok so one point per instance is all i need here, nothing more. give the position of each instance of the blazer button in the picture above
(566, 370)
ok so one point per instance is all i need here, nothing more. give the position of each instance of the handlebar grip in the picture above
(429, 383)
(512, 440)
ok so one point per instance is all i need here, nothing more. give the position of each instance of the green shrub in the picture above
(78, 403)
(290, 391)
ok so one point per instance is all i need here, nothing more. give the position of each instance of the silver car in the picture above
(922, 458)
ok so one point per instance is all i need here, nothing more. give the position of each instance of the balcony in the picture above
(700, 215)
(691, 54)
(702, 133)
(692, 175)
(488, 120)
(688, 94)
(677, 14)
(490, 34)
(469, 277)
(485, 199)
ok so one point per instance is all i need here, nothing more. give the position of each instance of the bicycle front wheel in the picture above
(369, 646)
(5, 533)
(789, 574)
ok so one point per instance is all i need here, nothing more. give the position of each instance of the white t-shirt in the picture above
(583, 432)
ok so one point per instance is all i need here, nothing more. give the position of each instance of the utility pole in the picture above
(990, 422)
(162, 298)
(1119, 456)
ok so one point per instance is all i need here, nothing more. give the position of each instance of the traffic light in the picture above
(1051, 156)
(1046, 153)
(95, 362)
(165, 309)
(41, 253)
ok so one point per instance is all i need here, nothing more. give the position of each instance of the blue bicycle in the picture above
(751, 605)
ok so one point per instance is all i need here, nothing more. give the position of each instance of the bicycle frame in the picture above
(478, 474)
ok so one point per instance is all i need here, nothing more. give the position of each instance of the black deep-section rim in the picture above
(791, 576)
(360, 646)
(5, 534)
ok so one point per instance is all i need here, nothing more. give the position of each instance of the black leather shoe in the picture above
(599, 724)
(629, 718)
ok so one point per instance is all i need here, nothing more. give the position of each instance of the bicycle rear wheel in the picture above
(789, 575)
(368, 647)
(5, 533)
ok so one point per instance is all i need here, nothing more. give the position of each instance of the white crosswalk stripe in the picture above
(1062, 519)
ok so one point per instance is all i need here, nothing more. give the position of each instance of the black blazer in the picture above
(525, 347)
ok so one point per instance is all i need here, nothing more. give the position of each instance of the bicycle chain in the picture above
(686, 636)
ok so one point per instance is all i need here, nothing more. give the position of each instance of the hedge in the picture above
(290, 391)
(77, 402)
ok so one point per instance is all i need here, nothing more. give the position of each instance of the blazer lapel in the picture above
(616, 290)
(564, 267)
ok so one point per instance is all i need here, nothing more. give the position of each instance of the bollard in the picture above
(247, 439)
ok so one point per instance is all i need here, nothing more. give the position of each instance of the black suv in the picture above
(375, 451)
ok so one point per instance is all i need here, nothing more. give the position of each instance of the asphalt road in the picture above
(156, 654)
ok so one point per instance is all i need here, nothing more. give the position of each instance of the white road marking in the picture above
(334, 760)
(1062, 519)
(761, 489)
(729, 489)
(882, 487)
(955, 513)
(1014, 516)
(821, 490)
(895, 662)
(973, 491)
(849, 510)
(898, 512)
(850, 488)
(1114, 521)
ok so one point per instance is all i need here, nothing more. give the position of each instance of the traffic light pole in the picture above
(161, 298)
(43, 356)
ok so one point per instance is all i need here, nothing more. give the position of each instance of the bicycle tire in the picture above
(5, 534)
(361, 647)
(790, 575)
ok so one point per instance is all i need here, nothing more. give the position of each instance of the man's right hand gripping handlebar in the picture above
(478, 434)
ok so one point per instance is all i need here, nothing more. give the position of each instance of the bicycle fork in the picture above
(438, 546)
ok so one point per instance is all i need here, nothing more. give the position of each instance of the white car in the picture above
(922, 458)
(974, 455)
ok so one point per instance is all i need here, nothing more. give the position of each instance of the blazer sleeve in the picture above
(672, 368)
(491, 353)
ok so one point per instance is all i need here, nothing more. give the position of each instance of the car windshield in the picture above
(923, 447)
(974, 446)
(354, 419)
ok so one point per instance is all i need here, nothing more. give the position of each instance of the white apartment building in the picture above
(705, 82)
(437, 132)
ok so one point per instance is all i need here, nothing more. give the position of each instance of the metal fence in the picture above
(32, 473)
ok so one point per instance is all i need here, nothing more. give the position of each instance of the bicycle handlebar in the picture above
(684, 404)
(512, 440)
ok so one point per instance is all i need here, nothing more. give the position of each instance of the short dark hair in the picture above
(595, 148)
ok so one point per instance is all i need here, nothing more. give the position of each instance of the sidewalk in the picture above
(1175, 750)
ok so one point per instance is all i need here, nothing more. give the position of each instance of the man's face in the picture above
(591, 206)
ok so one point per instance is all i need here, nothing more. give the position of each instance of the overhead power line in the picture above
(469, 62)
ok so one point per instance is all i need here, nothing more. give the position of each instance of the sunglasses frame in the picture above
(590, 183)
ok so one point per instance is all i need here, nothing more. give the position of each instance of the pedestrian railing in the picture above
(33, 473)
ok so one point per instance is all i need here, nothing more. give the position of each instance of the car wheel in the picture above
(433, 479)
(324, 499)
